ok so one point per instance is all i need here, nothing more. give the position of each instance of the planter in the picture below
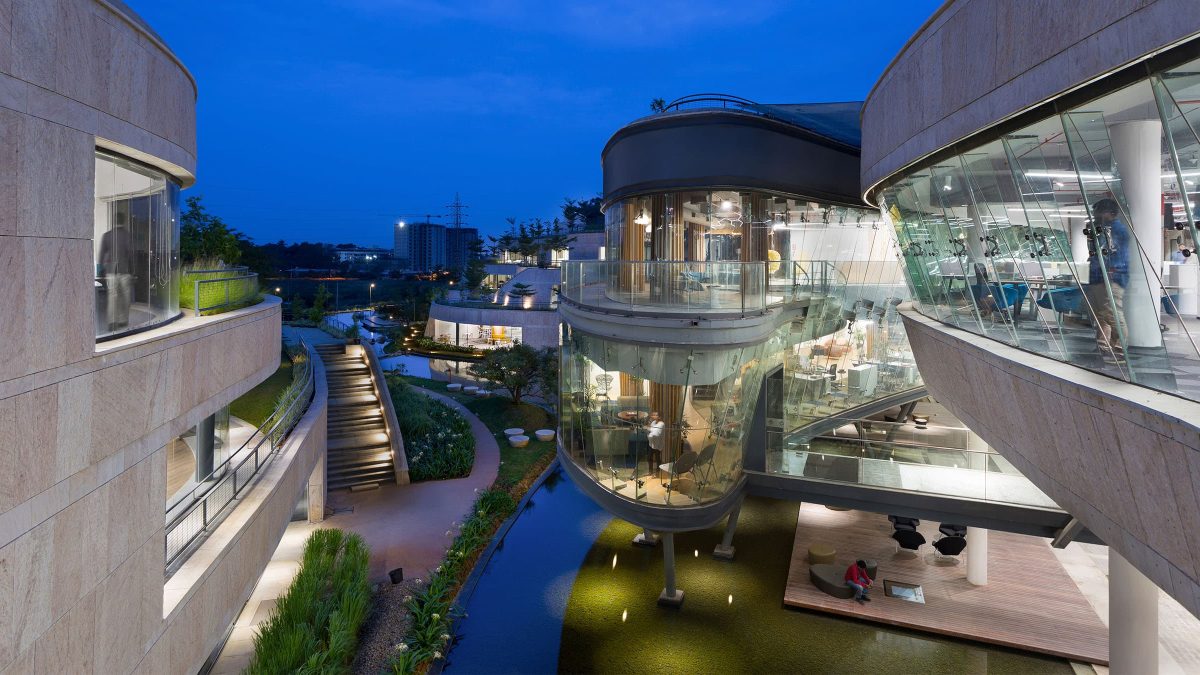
(483, 393)
(518, 441)
(514, 431)
(470, 390)
(544, 434)
(454, 387)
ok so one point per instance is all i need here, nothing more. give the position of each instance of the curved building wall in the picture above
(709, 149)
(720, 326)
(978, 62)
(84, 425)
(1073, 236)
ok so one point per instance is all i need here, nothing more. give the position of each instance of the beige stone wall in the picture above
(205, 595)
(1123, 459)
(978, 62)
(82, 425)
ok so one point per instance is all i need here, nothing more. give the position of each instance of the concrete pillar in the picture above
(206, 432)
(670, 596)
(1132, 619)
(1137, 152)
(977, 556)
(725, 550)
(316, 491)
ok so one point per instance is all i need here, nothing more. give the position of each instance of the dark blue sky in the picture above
(326, 120)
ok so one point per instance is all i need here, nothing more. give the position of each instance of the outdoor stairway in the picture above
(359, 449)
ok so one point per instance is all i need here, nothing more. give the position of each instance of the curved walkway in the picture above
(406, 526)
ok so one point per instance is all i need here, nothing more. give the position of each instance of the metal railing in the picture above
(197, 512)
(218, 289)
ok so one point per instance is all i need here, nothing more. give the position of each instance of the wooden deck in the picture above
(1029, 602)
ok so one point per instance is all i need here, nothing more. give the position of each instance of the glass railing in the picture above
(692, 465)
(199, 510)
(507, 302)
(947, 462)
(668, 286)
(219, 290)
(1072, 238)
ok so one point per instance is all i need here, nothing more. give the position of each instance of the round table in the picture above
(821, 554)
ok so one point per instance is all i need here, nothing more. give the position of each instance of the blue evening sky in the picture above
(326, 120)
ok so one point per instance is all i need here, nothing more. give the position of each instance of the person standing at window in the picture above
(655, 434)
(116, 252)
(1108, 241)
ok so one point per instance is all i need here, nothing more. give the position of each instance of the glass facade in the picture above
(1073, 238)
(136, 246)
(672, 425)
(659, 424)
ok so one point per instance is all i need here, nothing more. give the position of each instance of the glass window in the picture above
(136, 246)
(1073, 237)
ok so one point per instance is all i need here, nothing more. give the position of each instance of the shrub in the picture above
(314, 626)
(432, 608)
(437, 439)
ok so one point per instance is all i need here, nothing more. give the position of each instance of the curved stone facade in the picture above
(1124, 460)
(976, 63)
(83, 425)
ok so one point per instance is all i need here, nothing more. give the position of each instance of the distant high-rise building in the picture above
(426, 246)
(400, 244)
(458, 247)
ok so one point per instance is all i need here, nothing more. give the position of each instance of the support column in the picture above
(1132, 619)
(977, 556)
(316, 491)
(1137, 152)
(670, 596)
(206, 432)
(725, 550)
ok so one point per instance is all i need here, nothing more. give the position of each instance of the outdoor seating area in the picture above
(1029, 602)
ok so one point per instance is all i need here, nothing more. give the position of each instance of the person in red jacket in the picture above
(856, 578)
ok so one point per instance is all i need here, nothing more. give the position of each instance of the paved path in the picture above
(405, 526)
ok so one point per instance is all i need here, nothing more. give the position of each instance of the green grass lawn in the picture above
(255, 405)
(498, 414)
(733, 619)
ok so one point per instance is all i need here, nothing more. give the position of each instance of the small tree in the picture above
(475, 274)
(298, 310)
(547, 378)
(513, 369)
(519, 291)
(658, 105)
(320, 303)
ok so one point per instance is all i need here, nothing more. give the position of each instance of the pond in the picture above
(527, 582)
(566, 591)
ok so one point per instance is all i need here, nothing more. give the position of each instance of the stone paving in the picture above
(408, 526)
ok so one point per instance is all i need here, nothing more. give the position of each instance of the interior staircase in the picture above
(359, 449)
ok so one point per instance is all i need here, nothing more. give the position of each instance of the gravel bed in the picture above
(385, 627)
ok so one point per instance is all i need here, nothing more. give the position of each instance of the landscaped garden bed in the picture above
(438, 440)
(314, 626)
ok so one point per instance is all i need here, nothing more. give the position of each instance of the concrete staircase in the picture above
(359, 450)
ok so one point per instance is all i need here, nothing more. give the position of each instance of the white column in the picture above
(1138, 155)
(1132, 619)
(977, 556)
(316, 491)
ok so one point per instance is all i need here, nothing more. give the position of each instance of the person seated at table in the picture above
(857, 579)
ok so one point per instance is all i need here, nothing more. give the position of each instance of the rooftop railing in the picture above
(666, 286)
(509, 302)
(197, 512)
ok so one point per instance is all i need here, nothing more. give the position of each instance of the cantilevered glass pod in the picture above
(1073, 236)
(660, 425)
